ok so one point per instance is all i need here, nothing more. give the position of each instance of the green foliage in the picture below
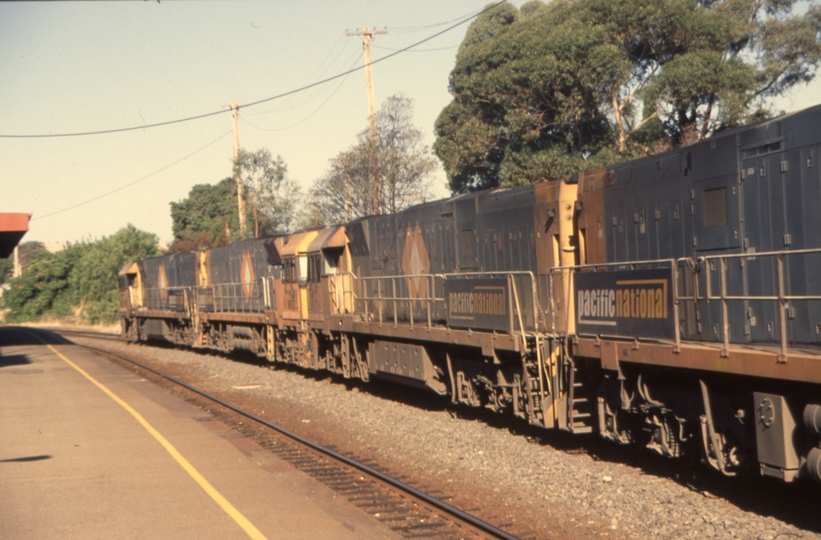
(209, 216)
(6, 269)
(28, 252)
(199, 221)
(81, 279)
(270, 196)
(551, 89)
(44, 287)
(93, 279)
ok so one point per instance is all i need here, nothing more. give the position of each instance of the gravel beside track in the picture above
(532, 483)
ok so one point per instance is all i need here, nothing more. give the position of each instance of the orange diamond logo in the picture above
(247, 275)
(415, 262)
(162, 282)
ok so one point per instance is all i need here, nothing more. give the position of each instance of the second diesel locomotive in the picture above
(672, 302)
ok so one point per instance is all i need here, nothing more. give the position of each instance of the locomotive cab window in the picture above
(314, 267)
(332, 257)
(287, 270)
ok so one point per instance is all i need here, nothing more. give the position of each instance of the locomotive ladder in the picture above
(580, 408)
(537, 385)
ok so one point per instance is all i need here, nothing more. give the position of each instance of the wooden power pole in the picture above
(367, 36)
(238, 173)
(17, 270)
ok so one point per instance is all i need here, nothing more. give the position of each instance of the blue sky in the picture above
(88, 66)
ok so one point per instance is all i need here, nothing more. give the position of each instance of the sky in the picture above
(72, 67)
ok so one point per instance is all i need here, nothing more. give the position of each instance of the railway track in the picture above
(407, 510)
(85, 333)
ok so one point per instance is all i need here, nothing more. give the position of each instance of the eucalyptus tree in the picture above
(549, 89)
(273, 195)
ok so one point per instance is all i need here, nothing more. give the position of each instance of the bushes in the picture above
(44, 288)
(81, 279)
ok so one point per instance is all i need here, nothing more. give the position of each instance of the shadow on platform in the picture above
(14, 360)
(18, 335)
(25, 459)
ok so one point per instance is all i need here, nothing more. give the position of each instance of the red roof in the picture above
(12, 228)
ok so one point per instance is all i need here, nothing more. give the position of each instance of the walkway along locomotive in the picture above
(672, 302)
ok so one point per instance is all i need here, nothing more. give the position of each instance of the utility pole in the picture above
(367, 36)
(238, 173)
(17, 271)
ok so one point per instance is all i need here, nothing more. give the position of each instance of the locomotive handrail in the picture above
(781, 297)
(231, 297)
(430, 296)
(428, 299)
(614, 265)
(778, 295)
(158, 298)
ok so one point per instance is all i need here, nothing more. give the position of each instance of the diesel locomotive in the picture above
(671, 302)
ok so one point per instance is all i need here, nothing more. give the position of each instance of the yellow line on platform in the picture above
(229, 509)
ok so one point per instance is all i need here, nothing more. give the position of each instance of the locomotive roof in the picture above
(328, 238)
(297, 243)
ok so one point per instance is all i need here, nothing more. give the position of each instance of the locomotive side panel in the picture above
(167, 281)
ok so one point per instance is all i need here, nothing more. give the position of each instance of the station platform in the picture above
(91, 450)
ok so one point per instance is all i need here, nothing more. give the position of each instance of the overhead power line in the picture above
(411, 29)
(146, 177)
(253, 103)
(308, 96)
(418, 50)
(327, 99)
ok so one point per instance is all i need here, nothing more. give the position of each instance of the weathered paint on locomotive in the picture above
(749, 190)
(583, 305)
(293, 302)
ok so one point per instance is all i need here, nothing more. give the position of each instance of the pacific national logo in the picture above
(635, 299)
(488, 300)
(642, 299)
(478, 303)
(627, 302)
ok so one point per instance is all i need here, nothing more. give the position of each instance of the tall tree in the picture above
(271, 194)
(206, 217)
(403, 170)
(209, 217)
(549, 89)
(93, 278)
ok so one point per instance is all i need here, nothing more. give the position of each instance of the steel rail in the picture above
(91, 334)
(436, 503)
